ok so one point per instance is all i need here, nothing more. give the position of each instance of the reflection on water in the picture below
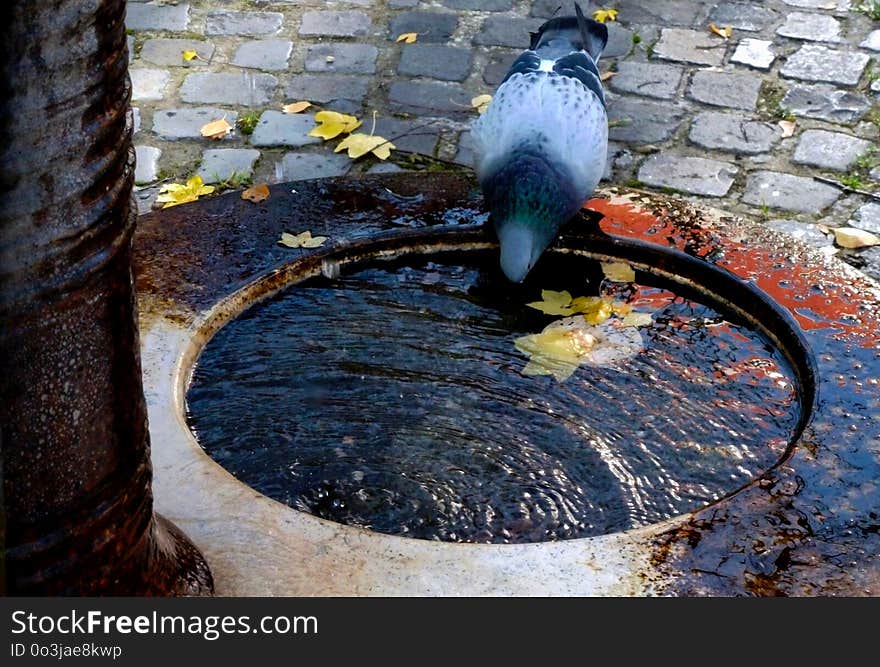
(394, 399)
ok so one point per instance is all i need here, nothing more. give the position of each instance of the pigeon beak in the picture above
(519, 251)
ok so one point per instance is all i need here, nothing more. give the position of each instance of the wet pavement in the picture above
(691, 112)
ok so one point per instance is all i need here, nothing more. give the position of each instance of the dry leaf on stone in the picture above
(724, 32)
(296, 107)
(605, 76)
(332, 124)
(189, 55)
(303, 240)
(603, 15)
(407, 37)
(359, 144)
(618, 272)
(481, 102)
(256, 194)
(850, 237)
(787, 127)
(216, 129)
(172, 194)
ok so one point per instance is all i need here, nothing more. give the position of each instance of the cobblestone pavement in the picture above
(690, 112)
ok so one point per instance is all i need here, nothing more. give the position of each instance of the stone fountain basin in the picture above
(810, 525)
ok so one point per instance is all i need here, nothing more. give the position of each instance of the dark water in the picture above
(393, 399)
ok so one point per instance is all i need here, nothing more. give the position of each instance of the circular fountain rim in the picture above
(183, 270)
(463, 239)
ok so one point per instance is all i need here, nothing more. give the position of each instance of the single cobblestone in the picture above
(337, 91)
(867, 217)
(802, 231)
(342, 58)
(757, 53)
(640, 121)
(733, 133)
(264, 54)
(431, 26)
(305, 166)
(788, 192)
(812, 27)
(148, 84)
(725, 89)
(690, 46)
(187, 122)
(234, 88)
(825, 103)
(153, 16)
(660, 81)
(222, 164)
(694, 175)
(335, 23)
(409, 135)
(448, 63)
(829, 150)
(751, 18)
(282, 129)
(819, 63)
(227, 22)
(146, 164)
(504, 31)
(872, 42)
(479, 5)
(620, 41)
(169, 52)
(430, 98)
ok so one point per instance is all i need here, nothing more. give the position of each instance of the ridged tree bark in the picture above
(74, 448)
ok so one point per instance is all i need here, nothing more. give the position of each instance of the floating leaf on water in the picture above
(787, 127)
(635, 319)
(603, 15)
(359, 144)
(481, 102)
(296, 107)
(172, 194)
(556, 351)
(256, 194)
(189, 55)
(850, 237)
(216, 129)
(407, 37)
(724, 32)
(332, 124)
(553, 303)
(618, 272)
(303, 240)
(598, 312)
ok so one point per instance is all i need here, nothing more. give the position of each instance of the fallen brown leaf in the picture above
(256, 194)
(296, 107)
(216, 129)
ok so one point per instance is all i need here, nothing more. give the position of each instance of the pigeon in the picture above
(541, 145)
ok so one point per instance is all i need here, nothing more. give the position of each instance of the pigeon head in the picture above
(521, 243)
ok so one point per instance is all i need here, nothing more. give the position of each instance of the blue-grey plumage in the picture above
(540, 147)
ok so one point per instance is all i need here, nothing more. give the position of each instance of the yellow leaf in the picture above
(724, 32)
(189, 55)
(637, 320)
(216, 129)
(787, 127)
(407, 37)
(172, 194)
(256, 194)
(603, 15)
(595, 309)
(553, 303)
(558, 350)
(481, 102)
(850, 237)
(606, 75)
(332, 124)
(296, 107)
(359, 144)
(618, 272)
(303, 240)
